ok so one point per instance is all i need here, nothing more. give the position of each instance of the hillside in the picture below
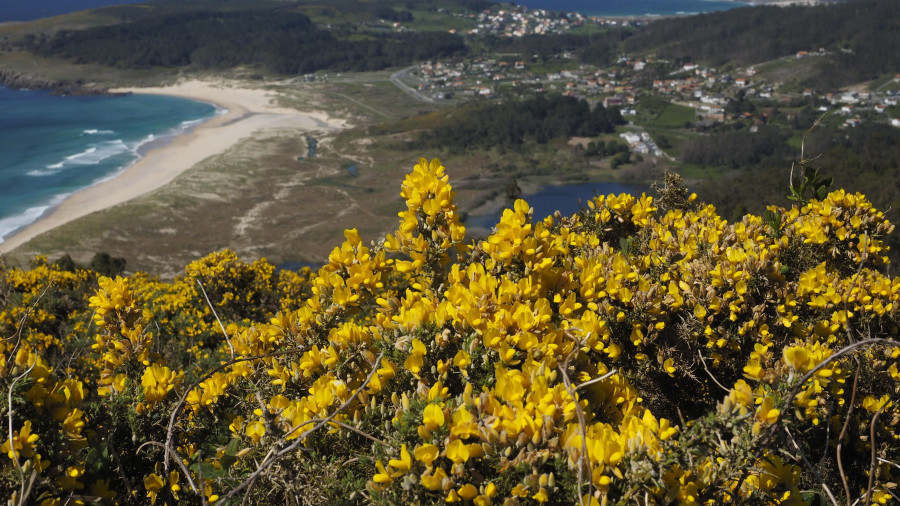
(859, 38)
(273, 36)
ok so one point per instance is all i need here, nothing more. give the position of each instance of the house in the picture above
(631, 137)
(849, 98)
(741, 82)
(802, 54)
(612, 102)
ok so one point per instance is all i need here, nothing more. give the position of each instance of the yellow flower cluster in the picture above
(623, 354)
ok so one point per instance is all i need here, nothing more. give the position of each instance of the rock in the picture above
(18, 80)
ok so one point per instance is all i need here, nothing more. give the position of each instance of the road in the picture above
(397, 80)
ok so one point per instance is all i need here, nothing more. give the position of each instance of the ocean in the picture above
(620, 8)
(52, 146)
(18, 10)
(22, 10)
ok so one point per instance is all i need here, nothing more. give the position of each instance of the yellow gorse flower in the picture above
(485, 372)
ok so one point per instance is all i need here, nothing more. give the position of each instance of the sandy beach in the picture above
(247, 111)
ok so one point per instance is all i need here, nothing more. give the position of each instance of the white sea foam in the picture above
(29, 216)
(93, 155)
(101, 151)
(193, 122)
(149, 138)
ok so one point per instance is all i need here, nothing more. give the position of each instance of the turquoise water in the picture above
(620, 8)
(22, 10)
(566, 199)
(52, 146)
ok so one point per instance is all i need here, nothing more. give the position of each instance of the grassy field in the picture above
(672, 116)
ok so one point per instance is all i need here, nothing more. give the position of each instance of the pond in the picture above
(566, 199)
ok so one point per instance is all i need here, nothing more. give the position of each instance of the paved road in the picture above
(396, 79)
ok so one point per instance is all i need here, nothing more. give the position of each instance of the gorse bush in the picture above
(621, 355)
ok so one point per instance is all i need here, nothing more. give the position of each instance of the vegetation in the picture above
(515, 122)
(547, 363)
(858, 37)
(279, 40)
(740, 149)
(597, 47)
(861, 158)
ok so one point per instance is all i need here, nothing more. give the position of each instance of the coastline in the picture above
(247, 110)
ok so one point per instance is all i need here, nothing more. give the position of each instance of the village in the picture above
(520, 21)
(716, 97)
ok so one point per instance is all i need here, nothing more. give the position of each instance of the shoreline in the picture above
(647, 17)
(246, 111)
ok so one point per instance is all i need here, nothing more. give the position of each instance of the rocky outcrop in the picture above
(17, 80)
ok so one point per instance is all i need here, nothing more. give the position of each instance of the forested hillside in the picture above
(862, 37)
(273, 36)
(515, 122)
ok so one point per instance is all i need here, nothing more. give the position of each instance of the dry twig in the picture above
(12, 446)
(585, 460)
(810, 466)
(843, 352)
(221, 326)
(843, 433)
(873, 460)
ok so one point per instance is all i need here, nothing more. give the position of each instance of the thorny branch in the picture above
(221, 326)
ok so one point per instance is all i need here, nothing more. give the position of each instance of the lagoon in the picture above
(566, 199)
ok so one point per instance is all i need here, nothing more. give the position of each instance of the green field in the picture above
(672, 116)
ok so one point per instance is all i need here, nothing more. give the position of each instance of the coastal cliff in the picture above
(20, 80)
